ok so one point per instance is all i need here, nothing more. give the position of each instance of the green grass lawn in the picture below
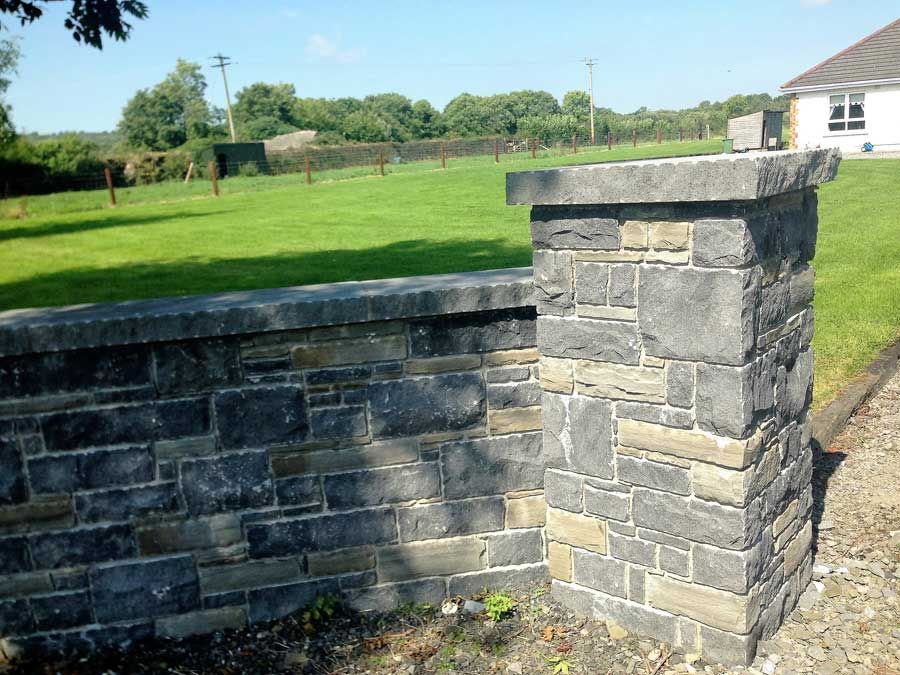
(172, 239)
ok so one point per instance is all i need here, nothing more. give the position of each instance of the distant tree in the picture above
(173, 112)
(396, 111)
(553, 127)
(87, 20)
(315, 113)
(577, 104)
(528, 103)
(737, 105)
(68, 156)
(365, 127)
(270, 101)
(9, 61)
(427, 122)
(263, 128)
(468, 115)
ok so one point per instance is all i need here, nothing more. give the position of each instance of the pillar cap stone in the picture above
(707, 178)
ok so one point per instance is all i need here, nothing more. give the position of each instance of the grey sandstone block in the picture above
(99, 427)
(189, 535)
(201, 622)
(802, 287)
(524, 577)
(423, 405)
(227, 482)
(517, 395)
(632, 550)
(490, 466)
(82, 546)
(622, 285)
(774, 304)
(505, 375)
(636, 584)
(698, 521)
(613, 341)
(614, 505)
(731, 401)
(599, 572)
(680, 384)
(253, 574)
(135, 590)
(591, 282)
(62, 610)
(572, 228)
(338, 375)
(196, 365)
(553, 287)
(794, 390)
(278, 413)
(274, 602)
(723, 243)
(578, 434)
(343, 422)
(126, 503)
(653, 475)
(727, 648)
(563, 490)
(698, 314)
(735, 571)
(374, 487)
(656, 414)
(451, 519)
(385, 597)
(674, 560)
(321, 533)
(430, 559)
(473, 333)
(518, 547)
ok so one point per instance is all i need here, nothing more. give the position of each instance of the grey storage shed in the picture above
(756, 131)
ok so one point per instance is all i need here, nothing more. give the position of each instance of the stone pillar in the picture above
(674, 331)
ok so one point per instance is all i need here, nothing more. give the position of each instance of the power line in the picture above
(222, 63)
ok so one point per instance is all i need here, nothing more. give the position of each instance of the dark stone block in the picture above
(187, 417)
(514, 395)
(578, 227)
(57, 372)
(451, 519)
(410, 407)
(196, 365)
(82, 546)
(298, 490)
(288, 537)
(328, 398)
(262, 367)
(128, 395)
(490, 466)
(63, 610)
(14, 556)
(15, 618)
(126, 503)
(13, 487)
(69, 580)
(475, 332)
(230, 599)
(338, 422)
(354, 396)
(227, 482)
(137, 590)
(374, 487)
(51, 474)
(98, 469)
(385, 597)
(106, 426)
(278, 414)
(336, 375)
(119, 637)
(266, 604)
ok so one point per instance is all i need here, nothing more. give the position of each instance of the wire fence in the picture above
(318, 163)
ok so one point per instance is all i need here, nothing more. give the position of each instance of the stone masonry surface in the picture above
(224, 476)
(674, 327)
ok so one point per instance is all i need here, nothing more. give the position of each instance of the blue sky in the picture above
(654, 53)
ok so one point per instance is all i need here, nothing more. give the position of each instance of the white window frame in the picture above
(846, 120)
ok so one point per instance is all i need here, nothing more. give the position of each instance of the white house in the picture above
(851, 98)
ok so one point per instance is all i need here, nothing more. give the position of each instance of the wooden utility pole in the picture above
(214, 177)
(590, 64)
(109, 184)
(222, 63)
(308, 170)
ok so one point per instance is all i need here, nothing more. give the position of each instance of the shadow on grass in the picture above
(190, 276)
(108, 220)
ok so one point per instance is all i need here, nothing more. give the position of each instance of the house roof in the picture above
(876, 57)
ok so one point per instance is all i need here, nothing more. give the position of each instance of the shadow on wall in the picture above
(194, 275)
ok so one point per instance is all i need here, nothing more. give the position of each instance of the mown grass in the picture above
(169, 239)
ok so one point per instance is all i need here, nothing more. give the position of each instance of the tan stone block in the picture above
(735, 488)
(576, 530)
(634, 233)
(719, 609)
(630, 452)
(670, 257)
(607, 256)
(526, 512)
(557, 375)
(187, 535)
(797, 550)
(559, 557)
(603, 312)
(518, 494)
(669, 236)
(628, 383)
(341, 562)
(785, 518)
(653, 361)
(343, 352)
(511, 357)
(430, 558)
(443, 364)
(667, 459)
(515, 420)
(345, 459)
(689, 443)
(222, 578)
(201, 622)
(49, 511)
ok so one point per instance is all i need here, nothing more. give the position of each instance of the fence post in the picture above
(658, 135)
(634, 137)
(496, 152)
(187, 176)
(109, 183)
(574, 144)
(214, 177)
(381, 162)
(443, 156)
(308, 170)
(533, 147)
(609, 140)
(681, 135)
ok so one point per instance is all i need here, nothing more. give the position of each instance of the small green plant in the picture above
(498, 606)
(319, 611)
(559, 665)
(248, 169)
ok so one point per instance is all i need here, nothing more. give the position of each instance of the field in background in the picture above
(169, 239)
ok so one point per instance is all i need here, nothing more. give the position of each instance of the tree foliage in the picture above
(87, 20)
(9, 61)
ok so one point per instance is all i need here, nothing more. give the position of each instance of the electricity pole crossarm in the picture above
(590, 64)
(222, 62)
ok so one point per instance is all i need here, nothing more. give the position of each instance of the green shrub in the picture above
(248, 169)
(498, 606)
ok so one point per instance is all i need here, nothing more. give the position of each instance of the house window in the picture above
(847, 112)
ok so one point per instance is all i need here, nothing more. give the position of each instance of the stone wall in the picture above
(378, 440)
(677, 376)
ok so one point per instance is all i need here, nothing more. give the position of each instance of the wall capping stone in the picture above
(712, 178)
(25, 331)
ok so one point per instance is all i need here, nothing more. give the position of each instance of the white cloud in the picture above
(815, 3)
(320, 48)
